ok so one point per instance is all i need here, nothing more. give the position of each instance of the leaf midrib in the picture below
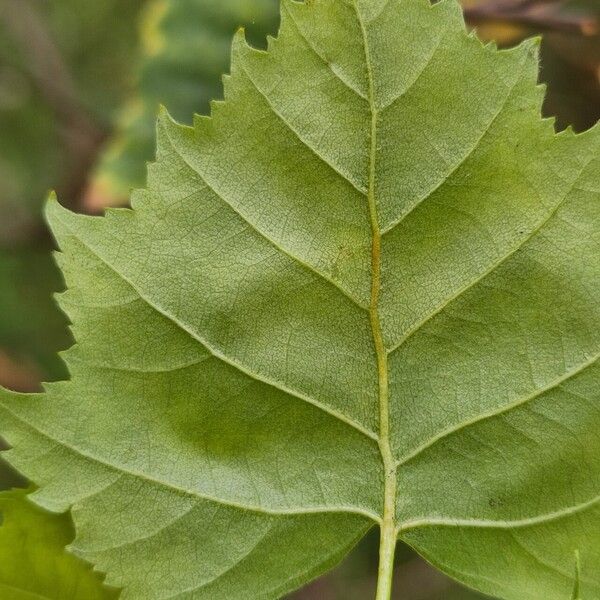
(388, 527)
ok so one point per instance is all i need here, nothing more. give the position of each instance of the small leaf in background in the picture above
(33, 559)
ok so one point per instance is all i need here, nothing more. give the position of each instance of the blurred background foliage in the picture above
(184, 50)
(80, 87)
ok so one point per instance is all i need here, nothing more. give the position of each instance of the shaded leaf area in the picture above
(220, 436)
(33, 559)
(186, 49)
(9, 478)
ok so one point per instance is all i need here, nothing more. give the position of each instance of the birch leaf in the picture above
(364, 292)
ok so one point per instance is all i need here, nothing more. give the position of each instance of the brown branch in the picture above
(533, 14)
(18, 375)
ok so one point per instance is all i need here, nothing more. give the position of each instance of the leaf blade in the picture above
(216, 354)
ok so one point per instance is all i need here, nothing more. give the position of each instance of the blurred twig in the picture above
(534, 14)
(44, 62)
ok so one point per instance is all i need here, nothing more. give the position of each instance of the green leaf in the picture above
(364, 292)
(33, 561)
(186, 49)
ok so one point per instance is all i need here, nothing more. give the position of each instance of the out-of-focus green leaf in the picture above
(186, 47)
(50, 52)
(33, 559)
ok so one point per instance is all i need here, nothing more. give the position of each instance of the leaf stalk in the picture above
(388, 528)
